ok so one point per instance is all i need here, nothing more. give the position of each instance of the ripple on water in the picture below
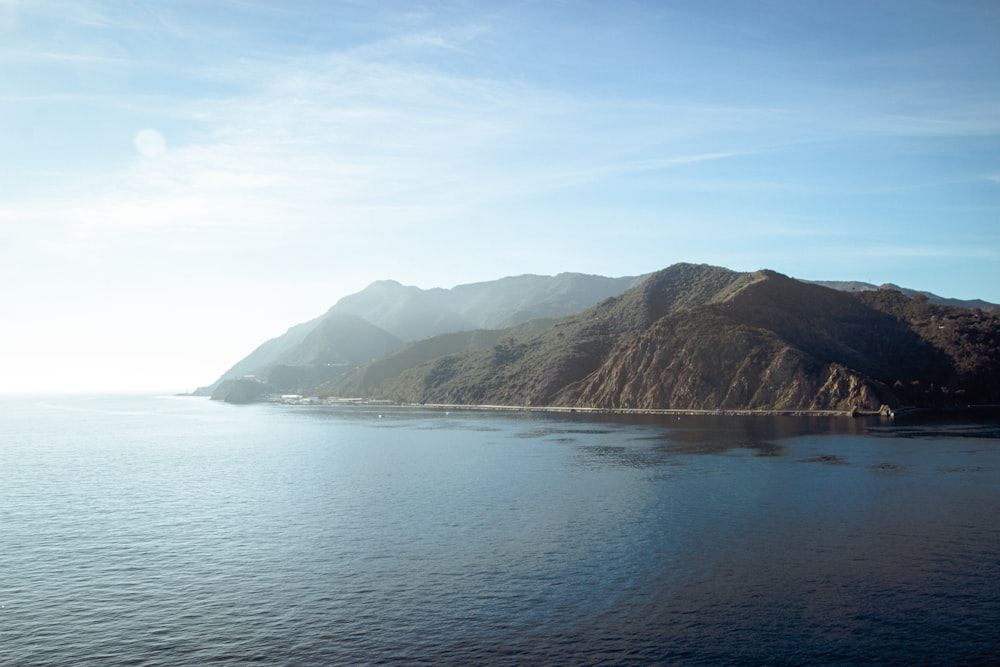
(210, 534)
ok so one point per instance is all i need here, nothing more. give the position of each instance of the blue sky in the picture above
(183, 179)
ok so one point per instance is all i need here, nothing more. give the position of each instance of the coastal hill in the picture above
(703, 337)
(333, 345)
(410, 313)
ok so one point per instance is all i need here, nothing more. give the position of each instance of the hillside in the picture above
(411, 313)
(700, 337)
(408, 312)
(362, 380)
(336, 344)
(858, 286)
(687, 337)
(264, 354)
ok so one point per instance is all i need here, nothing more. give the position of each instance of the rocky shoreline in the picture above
(653, 411)
(884, 412)
(300, 400)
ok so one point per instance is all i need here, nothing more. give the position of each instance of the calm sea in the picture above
(180, 531)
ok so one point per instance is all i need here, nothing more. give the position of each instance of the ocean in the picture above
(166, 530)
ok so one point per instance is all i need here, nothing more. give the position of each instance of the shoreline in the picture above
(887, 413)
(734, 412)
(654, 411)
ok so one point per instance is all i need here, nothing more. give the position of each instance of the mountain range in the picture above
(410, 313)
(687, 337)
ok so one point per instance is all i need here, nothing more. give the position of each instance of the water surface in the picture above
(175, 531)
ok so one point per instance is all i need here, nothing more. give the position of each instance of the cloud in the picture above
(937, 251)
(331, 137)
(382, 134)
(81, 13)
(968, 118)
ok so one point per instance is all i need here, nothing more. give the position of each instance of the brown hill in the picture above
(701, 337)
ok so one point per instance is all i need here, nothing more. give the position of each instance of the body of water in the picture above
(180, 531)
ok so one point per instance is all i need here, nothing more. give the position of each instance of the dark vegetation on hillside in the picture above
(964, 364)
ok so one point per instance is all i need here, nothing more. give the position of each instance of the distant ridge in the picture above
(857, 286)
(411, 313)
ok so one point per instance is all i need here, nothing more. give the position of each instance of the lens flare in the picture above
(149, 143)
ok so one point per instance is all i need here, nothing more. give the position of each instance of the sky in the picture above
(181, 180)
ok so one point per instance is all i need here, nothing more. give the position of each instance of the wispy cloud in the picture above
(937, 251)
(96, 55)
(969, 118)
(80, 13)
(328, 136)
(377, 131)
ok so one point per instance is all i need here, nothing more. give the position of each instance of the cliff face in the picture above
(715, 364)
(770, 343)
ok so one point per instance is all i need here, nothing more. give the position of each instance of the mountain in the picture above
(335, 344)
(263, 355)
(702, 337)
(363, 379)
(411, 313)
(408, 312)
(857, 286)
(687, 337)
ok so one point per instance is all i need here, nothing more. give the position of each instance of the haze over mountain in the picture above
(409, 313)
(687, 337)
(412, 313)
(858, 286)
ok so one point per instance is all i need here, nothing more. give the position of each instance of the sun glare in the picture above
(149, 143)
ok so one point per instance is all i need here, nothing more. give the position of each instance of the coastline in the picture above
(335, 402)
(885, 412)
(656, 411)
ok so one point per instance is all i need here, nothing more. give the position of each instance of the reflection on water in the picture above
(620, 456)
(180, 531)
(938, 430)
(828, 459)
